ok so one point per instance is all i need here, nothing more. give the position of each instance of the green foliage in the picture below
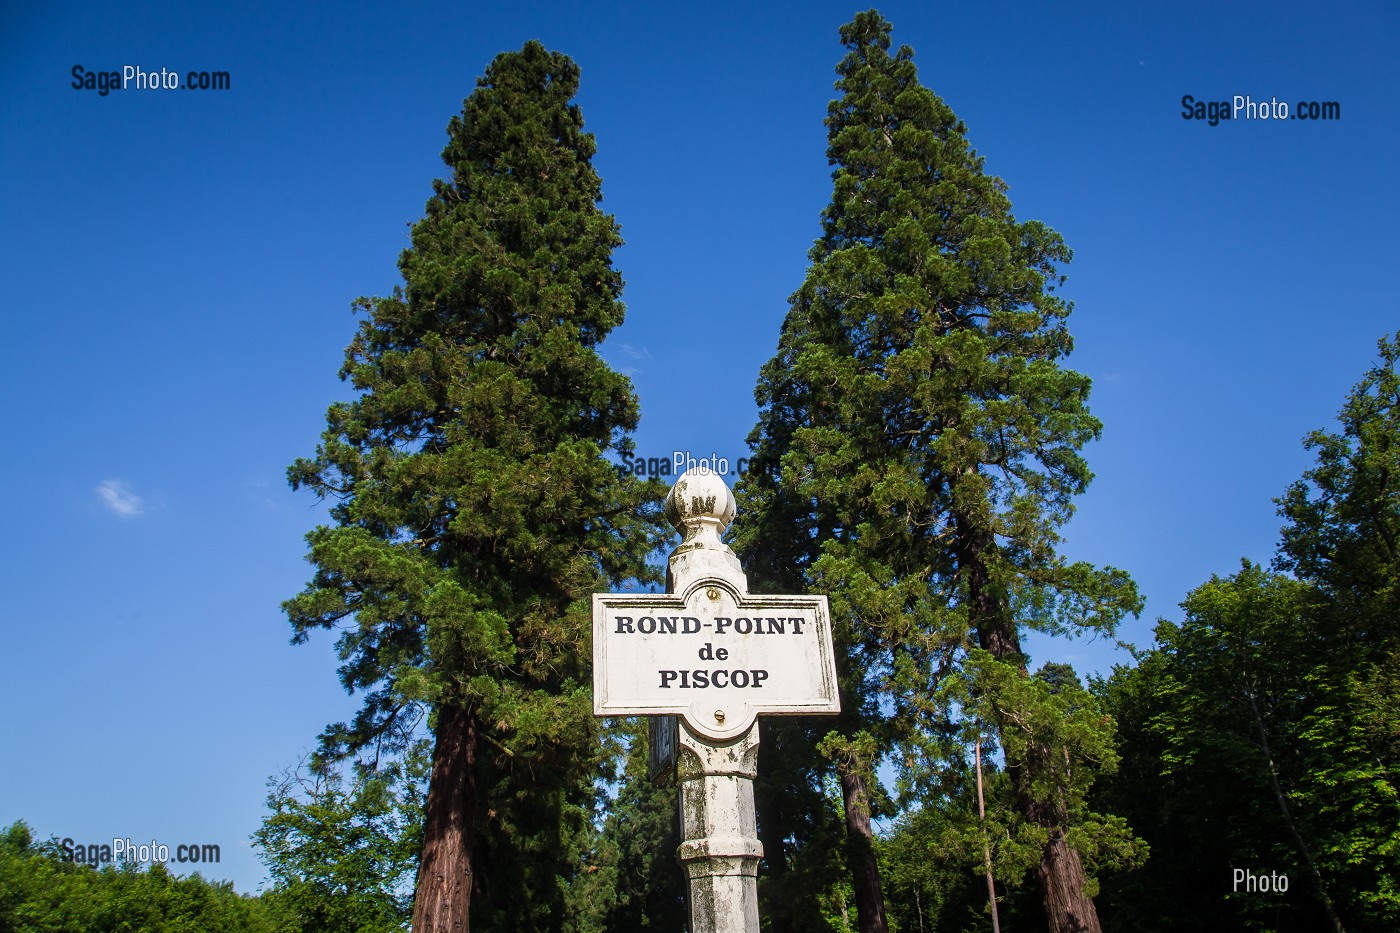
(1344, 514)
(918, 440)
(1217, 711)
(40, 892)
(924, 892)
(631, 879)
(1062, 742)
(1343, 518)
(1260, 732)
(474, 507)
(344, 857)
(932, 866)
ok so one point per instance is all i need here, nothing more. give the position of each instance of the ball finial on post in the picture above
(700, 496)
(701, 507)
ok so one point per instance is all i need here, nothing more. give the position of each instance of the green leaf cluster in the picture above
(1260, 731)
(344, 855)
(40, 892)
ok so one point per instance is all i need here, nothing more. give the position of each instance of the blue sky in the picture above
(178, 268)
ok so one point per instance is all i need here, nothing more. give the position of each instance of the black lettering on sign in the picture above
(742, 678)
(690, 625)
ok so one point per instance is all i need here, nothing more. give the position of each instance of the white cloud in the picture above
(118, 497)
(634, 353)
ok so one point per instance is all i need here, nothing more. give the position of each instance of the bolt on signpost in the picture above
(717, 658)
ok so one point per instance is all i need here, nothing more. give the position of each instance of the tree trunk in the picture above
(446, 874)
(860, 848)
(1060, 872)
(1062, 878)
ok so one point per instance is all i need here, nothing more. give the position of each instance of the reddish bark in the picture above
(447, 872)
(1061, 875)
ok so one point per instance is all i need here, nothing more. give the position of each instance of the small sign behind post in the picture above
(663, 748)
(716, 657)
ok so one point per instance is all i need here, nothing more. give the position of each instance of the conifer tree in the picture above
(633, 882)
(474, 511)
(918, 442)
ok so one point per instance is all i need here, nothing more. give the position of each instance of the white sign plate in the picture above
(715, 656)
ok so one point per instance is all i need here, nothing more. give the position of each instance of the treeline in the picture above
(1261, 734)
(42, 892)
(341, 849)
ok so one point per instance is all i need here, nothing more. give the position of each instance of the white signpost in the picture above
(716, 657)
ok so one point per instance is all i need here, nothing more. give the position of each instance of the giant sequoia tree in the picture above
(473, 510)
(920, 434)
